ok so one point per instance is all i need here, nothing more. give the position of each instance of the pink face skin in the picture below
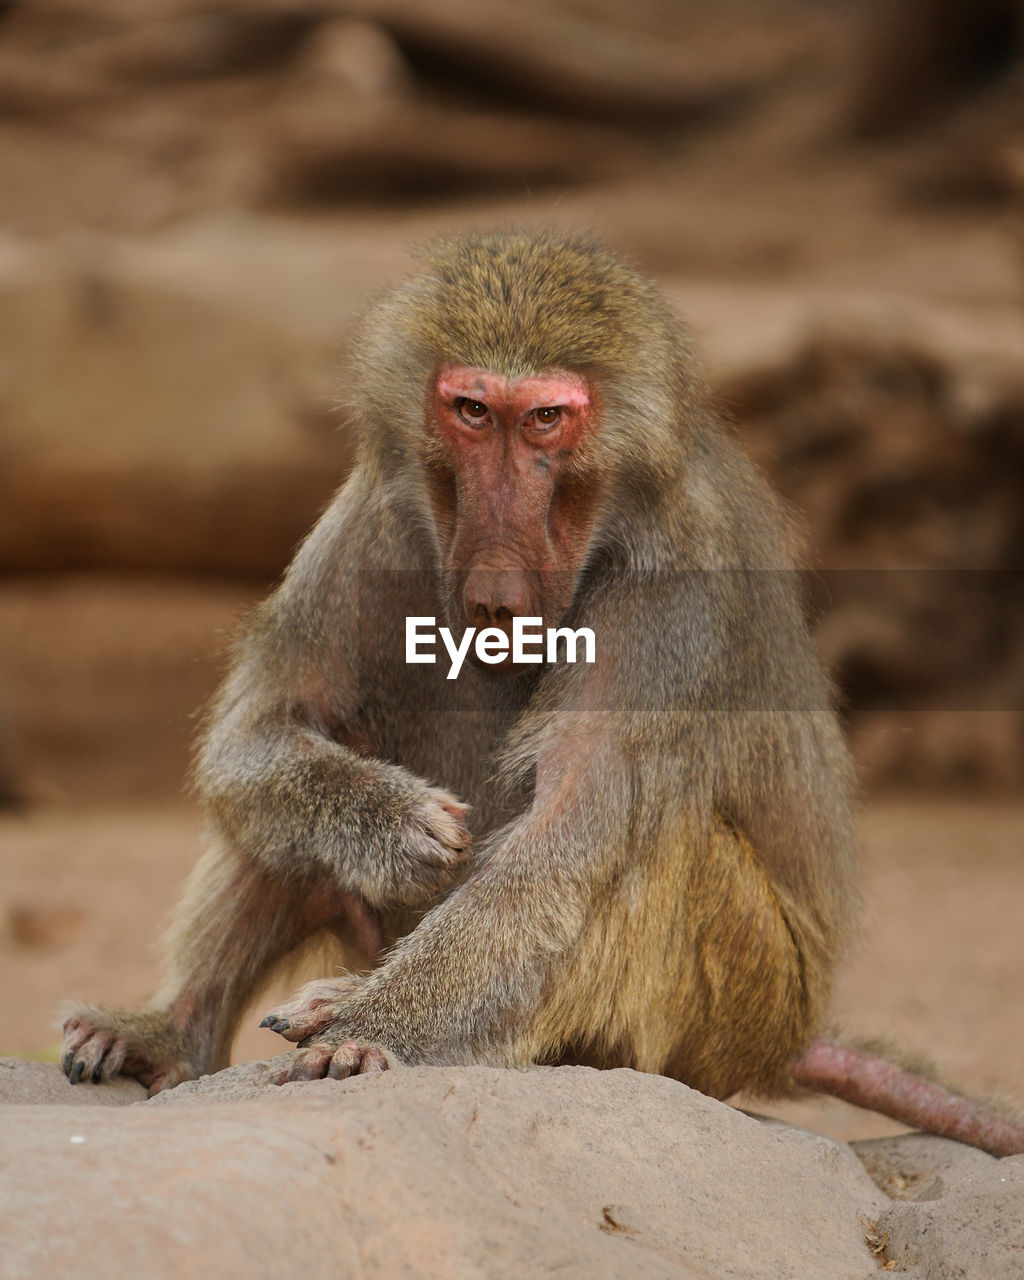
(515, 402)
(515, 515)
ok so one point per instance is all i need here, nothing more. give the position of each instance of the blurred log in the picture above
(530, 56)
(554, 60)
(922, 57)
(106, 676)
(232, 519)
(57, 62)
(42, 89)
(137, 117)
(155, 414)
(953, 750)
(13, 792)
(913, 496)
(949, 74)
(312, 154)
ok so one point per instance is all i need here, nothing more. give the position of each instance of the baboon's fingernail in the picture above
(77, 1071)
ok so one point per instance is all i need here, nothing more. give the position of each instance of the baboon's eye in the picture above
(474, 412)
(548, 417)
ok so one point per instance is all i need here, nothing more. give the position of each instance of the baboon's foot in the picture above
(328, 1059)
(101, 1043)
(312, 1009)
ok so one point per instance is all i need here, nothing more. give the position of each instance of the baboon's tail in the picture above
(869, 1081)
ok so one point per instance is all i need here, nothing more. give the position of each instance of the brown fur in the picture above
(662, 869)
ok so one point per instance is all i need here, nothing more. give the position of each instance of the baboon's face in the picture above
(514, 507)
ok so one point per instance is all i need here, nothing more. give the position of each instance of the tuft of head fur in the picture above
(521, 302)
(528, 302)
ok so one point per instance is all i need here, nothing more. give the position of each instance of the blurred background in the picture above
(197, 197)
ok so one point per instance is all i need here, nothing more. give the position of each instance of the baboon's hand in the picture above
(100, 1044)
(433, 845)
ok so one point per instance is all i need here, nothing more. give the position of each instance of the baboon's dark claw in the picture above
(66, 1062)
(269, 1020)
(77, 1071)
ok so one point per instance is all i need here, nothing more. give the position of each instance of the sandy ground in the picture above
(937, 970)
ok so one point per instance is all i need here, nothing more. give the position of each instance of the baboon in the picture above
(646, 860)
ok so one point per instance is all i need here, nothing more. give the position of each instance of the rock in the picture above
(41, 1084)
(439, 1171)
(905, 1168)
(469, 1171)
(967, 1224)
(43, 926)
